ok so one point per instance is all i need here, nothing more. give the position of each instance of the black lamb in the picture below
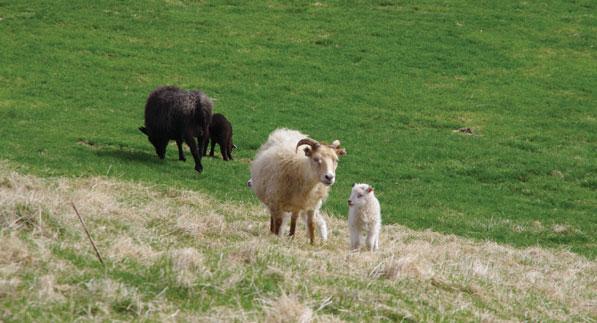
(220, 131)
(175, 114)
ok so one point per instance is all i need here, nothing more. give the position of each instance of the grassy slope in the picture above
(174, 255)
(390, 79)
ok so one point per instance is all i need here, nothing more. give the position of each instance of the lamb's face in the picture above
(324, 160)
(359, 195)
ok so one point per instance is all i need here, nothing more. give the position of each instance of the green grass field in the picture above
(391, 79)
(494, 226)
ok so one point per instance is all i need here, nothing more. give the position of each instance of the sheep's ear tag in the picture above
(143, 130)
(307, 151)
(370, 189)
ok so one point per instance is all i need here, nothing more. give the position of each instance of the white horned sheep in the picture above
(288, 181)
(364, 216)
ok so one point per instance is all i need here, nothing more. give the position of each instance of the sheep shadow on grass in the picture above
(121, 151)
(133, 156)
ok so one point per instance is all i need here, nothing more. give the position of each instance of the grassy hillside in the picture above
(176, 255)
(391, 79)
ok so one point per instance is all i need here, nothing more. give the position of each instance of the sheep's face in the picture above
(359, 195)
(160, 146)
(324, 160)
(158, 143)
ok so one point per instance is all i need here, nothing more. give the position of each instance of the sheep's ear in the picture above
(340, 151)
(336, 143)
(369, 189)
(308, 151)
(143, 130)
(353, 184)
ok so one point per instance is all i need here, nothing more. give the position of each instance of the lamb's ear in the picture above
(143, 130)
(336, 143)
(353, 184)
(340, 151)
(370, 189)
(307, 151)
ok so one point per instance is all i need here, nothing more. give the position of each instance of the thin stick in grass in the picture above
(88, 235)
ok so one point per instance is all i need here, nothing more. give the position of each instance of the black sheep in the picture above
(175, 114)
(220, 131)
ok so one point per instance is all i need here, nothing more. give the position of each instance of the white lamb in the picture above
(364, 216)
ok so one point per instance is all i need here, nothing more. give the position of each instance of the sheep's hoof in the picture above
(198, 168)
(183, 159)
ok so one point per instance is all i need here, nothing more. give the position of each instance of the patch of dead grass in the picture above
(286, 308)
(420, 275)
(125, 247)
(188, 265)
(48, 290)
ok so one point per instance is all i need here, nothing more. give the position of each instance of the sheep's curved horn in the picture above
(314, 144)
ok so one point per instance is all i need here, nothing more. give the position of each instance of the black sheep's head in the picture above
(158, 143)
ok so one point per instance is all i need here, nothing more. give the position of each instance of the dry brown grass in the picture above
(213, 261)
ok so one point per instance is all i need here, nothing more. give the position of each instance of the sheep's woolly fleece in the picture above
(209, 248)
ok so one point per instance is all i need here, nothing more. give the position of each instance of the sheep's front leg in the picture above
(180, 152)
(293, 218)
(278, 225)
(276, 219)
(311, 224)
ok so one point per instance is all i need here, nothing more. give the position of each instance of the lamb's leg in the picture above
(311, 225)
(293, 218)
(180, 151)
(376, 241)
(213, 145)
(190, 140)
(223, 151)
(229, 150)
(355, 238)
(373, 237)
